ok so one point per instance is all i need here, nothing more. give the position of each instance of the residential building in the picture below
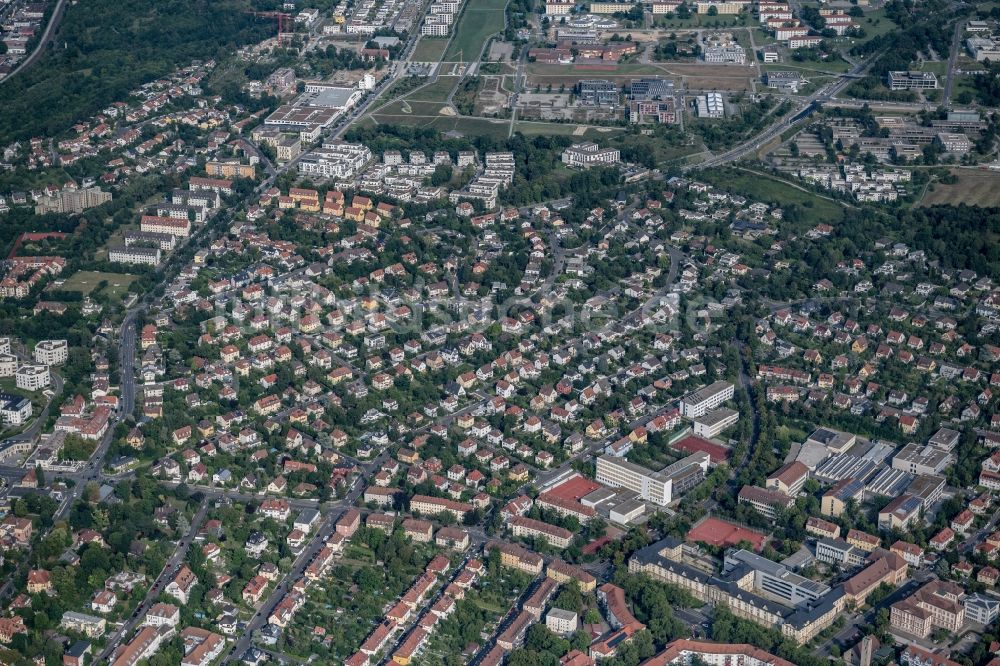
(589, 154)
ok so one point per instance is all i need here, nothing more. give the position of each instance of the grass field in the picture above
(430, 49)
(434, 92)
(533, 128)
(86, 282)
(876, 23)
(466, 126)
(705, 21)
(480, 19)
(762, 187)
(410, 107)
(974, 188)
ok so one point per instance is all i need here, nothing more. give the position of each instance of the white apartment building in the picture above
(14, 409)
(165, 225)
(436, 25)
(8, 365)
(335, 160)
(51, 352)
(649, 485)
(562, 622)
(32, 377)
(698, 403)
(590, 154)
(149, 256)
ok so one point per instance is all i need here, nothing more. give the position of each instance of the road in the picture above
(949, 82)
(745, 384)
(43, 41)
(823, 95)
(168, 572)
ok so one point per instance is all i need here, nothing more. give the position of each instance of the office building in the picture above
(912, 80)
(982, 608)
(983, 49)
(725, 55)
(917, 459)
(597, 92)
(645, 90)
(839, 552)
(752, 588)
(715, 422)
(649, 485)
(710, 105)
(699, 402)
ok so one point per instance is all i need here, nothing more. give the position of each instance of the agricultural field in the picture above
(974, 188)
(479, 20)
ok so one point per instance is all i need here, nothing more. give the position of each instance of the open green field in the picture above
(763, 187)
(86, 282)
(533, 128)
(974, 188)
(479, 20)
(435, 92)
(465, 125)
(429, 49)
(410, 107)
(939, 67)
(874, 24)
(704, 21)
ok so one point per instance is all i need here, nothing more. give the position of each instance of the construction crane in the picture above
(280, 16)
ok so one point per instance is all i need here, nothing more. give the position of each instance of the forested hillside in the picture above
(105, 48)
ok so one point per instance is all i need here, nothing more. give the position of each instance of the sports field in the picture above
(86, 281)
(718, 532)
